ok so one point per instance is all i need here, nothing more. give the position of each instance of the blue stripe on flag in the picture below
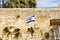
(31, 21)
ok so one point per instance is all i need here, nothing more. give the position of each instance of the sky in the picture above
(47, 3)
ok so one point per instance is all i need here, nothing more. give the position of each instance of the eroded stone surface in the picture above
(41, 24)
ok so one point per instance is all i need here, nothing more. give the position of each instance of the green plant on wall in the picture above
(18, 16)
(20, 4)
(31, 30)
(17, 33)
(0, 38)
(46, 35)
(6, 30)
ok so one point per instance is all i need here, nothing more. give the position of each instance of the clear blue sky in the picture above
(47, 3)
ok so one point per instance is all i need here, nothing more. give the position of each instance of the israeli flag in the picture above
(31, 19)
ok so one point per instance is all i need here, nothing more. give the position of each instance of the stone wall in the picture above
(8, 17)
